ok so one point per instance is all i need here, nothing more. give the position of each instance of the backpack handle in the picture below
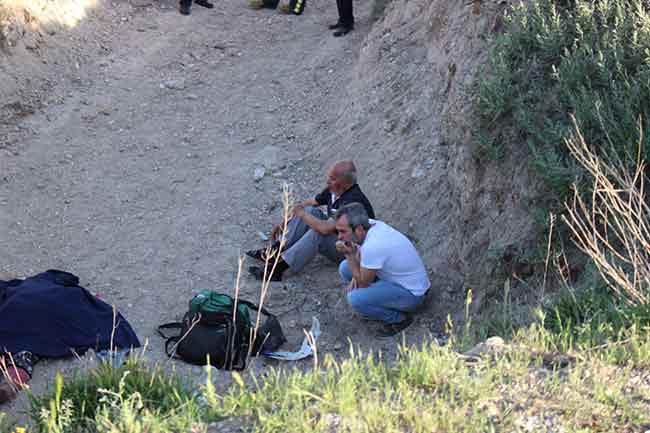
(255, 307)
(170, 325)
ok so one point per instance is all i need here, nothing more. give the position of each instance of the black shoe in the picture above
(342, 31)
(184, 9)
(391, 329)
(261, 253)
(258, 273)
(338, 25)
(204, 3)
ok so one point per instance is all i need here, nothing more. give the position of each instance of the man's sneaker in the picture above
(261, 253)
(338, 25)
(390, 329)
(184, 9)
(258, 273)
(343, 30)
(204, 3)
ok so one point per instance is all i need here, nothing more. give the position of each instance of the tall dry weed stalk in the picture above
(273, 257)
(612, 228)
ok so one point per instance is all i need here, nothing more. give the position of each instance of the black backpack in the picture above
(212, 328)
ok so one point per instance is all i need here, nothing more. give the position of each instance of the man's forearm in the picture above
(354, 266)
(323, 227)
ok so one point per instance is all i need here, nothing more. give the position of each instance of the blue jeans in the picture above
(381, 300)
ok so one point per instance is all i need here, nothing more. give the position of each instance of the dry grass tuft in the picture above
(612, 228)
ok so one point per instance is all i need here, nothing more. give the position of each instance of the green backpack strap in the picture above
(255, 307)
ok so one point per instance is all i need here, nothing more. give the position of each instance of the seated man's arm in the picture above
(310, 202)
(323, 227)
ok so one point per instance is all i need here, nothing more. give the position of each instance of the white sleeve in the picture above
(372, 257)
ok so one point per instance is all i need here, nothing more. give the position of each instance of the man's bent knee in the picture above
(315, 211)
(344, 271)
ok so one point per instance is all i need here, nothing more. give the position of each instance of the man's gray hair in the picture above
(347, 171)
(350, 175)
(356, 213)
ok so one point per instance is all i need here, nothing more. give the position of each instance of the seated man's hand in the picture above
(277, 232)
(298, 210)
(347, 248)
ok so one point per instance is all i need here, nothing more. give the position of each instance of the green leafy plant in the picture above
(586, 58)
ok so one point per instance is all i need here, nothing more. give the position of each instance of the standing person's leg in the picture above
(346, 18)
(384, 301)
(338, 22)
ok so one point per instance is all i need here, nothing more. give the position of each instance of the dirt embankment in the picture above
(408, 121)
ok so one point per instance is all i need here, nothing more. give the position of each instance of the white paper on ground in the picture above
(305, 349)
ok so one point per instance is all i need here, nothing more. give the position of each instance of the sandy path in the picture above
(141, 180)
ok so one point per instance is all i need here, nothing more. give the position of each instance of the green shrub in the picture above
(587, 58)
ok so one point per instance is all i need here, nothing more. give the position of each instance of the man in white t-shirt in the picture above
(385, 274)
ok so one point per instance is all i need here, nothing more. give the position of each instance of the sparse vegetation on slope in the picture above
(525, 385)
(553, 59)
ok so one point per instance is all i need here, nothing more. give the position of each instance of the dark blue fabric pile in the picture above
(50, 315)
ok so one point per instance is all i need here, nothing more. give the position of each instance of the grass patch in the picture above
(425, 389)
(134, 396)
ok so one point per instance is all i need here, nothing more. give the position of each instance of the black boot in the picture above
(258, 272)
(335, 26)
(185, 8)
(343, 30)
(390, 329)
(261, 253)
(204, 3)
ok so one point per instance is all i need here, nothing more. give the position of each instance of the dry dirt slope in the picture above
(408, 120)
(137, 173)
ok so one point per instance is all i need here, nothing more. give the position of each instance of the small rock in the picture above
(173, 85)
(417, 173)
(337, 346)
(258, 174)
(192, 96)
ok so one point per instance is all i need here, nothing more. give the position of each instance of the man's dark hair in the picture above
(356, 213)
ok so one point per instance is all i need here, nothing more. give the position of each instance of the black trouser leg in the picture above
(345, 12)
(187, 3)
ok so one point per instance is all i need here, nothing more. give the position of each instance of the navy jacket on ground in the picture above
(50, 315)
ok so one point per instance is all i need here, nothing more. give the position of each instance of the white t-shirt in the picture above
(394, 258)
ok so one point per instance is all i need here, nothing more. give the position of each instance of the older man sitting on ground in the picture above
(385, 275)
(310, 230)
